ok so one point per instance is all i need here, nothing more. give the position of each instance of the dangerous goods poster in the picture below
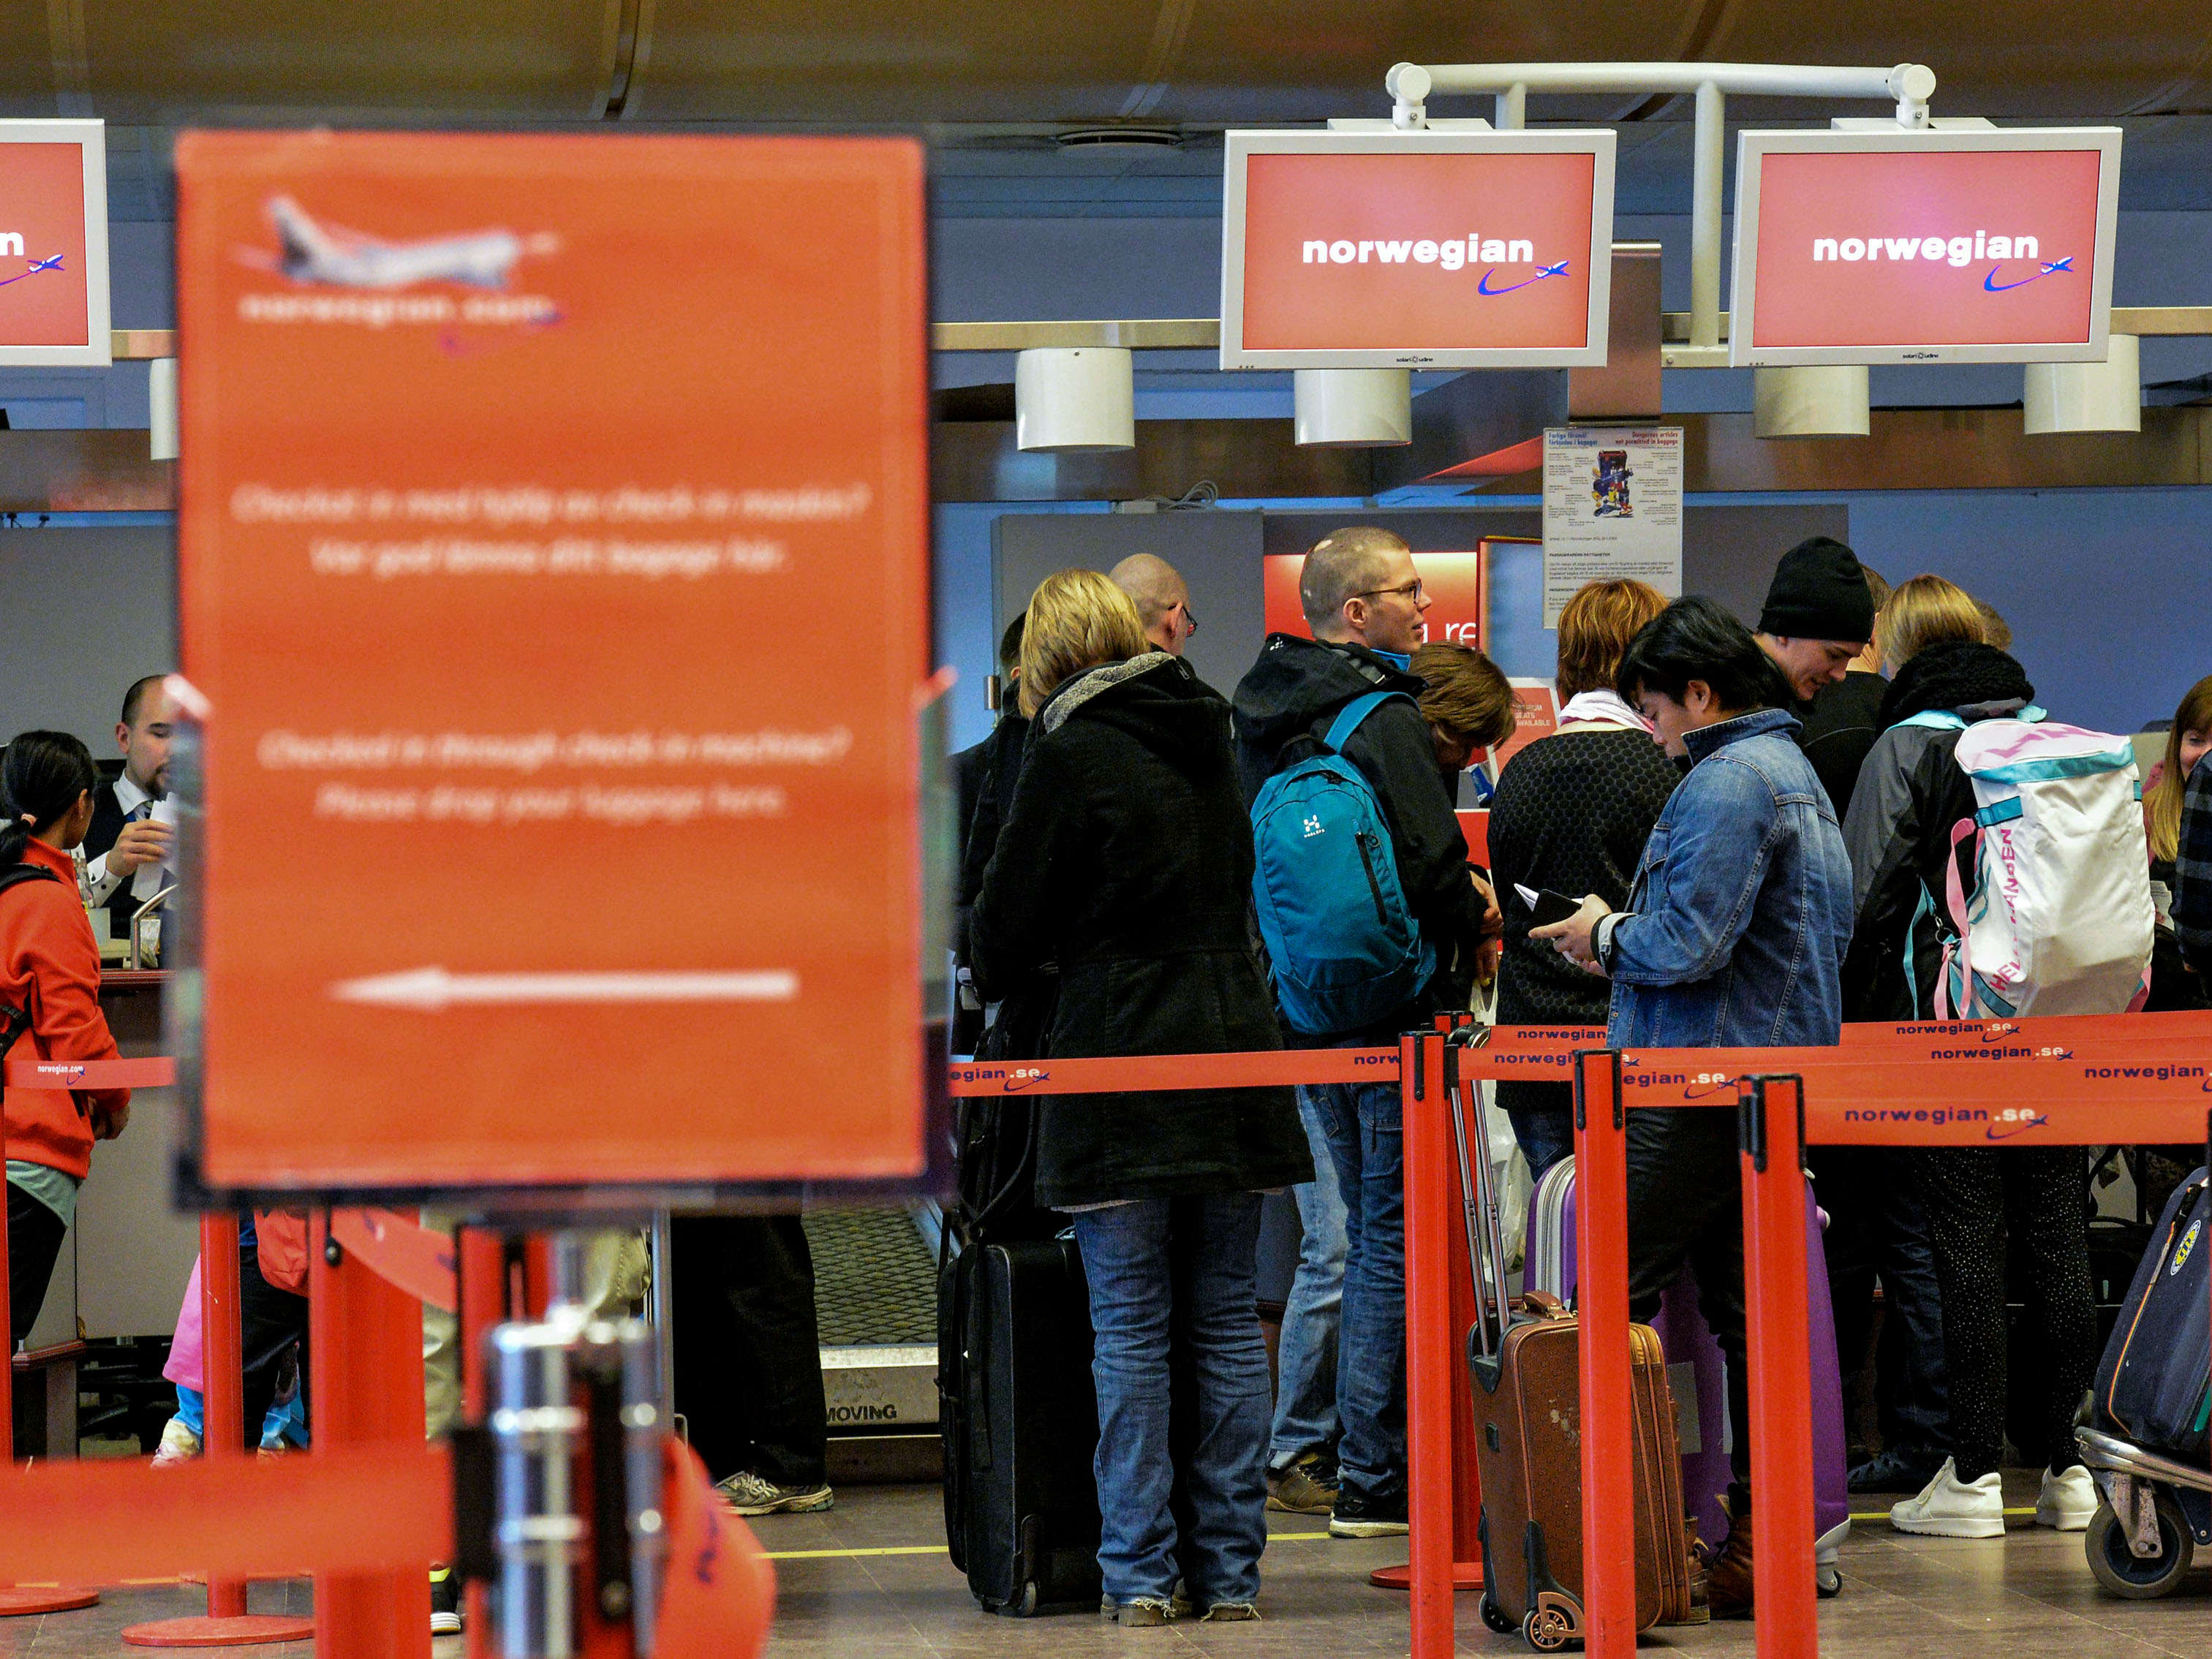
(553, 566)
(1612, 510)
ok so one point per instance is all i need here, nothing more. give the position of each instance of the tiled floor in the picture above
(870, 1596)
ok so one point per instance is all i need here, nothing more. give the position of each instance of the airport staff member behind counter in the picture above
(128, 850)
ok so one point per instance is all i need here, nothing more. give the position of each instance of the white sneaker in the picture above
(1948, 1507)
(2068, 1501)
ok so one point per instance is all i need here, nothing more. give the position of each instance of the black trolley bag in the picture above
(2155, 1382)
(1016, 1406)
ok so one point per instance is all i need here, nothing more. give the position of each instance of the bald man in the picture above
(1162, 599)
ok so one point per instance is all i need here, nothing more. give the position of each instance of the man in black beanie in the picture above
(1819, 614)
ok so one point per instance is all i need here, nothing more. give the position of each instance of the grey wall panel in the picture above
(86, 611)
(1217, 552)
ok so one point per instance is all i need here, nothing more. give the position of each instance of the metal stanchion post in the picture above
(660, 1254)
(1430, 1343)
(1608, 1402)
(1778, 1344)
(222, 1438)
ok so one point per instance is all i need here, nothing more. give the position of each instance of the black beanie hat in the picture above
(1818, 592)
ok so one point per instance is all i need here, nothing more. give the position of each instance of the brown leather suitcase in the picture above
(1522, 1362)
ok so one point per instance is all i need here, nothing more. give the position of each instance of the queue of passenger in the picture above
(1752, 814)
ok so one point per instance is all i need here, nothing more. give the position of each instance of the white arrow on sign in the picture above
(431, 989)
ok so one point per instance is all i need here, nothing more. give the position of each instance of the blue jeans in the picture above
(1182, 1490)
(1543, 1119)
(1305, 1360)
(1366, 1142)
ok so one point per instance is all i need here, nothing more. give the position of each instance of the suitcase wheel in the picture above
(1494, 1616)
(2131, 1576)
(1548, 1629)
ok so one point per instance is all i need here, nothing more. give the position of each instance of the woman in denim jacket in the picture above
(1733, 937)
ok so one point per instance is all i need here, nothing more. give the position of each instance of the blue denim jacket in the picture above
(1742, 909)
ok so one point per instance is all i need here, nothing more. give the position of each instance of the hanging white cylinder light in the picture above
(1827, 400)
(2104, 397)
(1075, 398)
(1354, 407)
(161, 425)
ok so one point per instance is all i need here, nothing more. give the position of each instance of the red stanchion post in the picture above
(222, 1437)
(21, 1602)
(1607, 1404)
(480, 1261)
(1430, 1343)
(1771, 1116)
(367, 1340)
(1466, 1486)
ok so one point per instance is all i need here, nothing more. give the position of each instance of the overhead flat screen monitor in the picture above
(1416, 250)
(1975, 246)
(53, 245)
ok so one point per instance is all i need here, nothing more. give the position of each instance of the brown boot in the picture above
(1727, 1580)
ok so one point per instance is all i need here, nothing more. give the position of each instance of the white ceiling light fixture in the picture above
(1075, 398)
(1353, 408)
(1823, 401)
(2104, 397)
(161, 426)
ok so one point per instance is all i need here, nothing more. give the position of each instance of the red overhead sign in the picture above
(53, 244)
(1945, 247)
(529, 483)
(1419, 250)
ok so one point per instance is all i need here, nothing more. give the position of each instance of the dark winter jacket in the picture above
(1571, 813)
(1841, 725)
(1910, 794)
(1126, 862)
(1284, 707)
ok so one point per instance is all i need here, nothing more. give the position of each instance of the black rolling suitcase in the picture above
(1020, 1423)
(1016, 1407)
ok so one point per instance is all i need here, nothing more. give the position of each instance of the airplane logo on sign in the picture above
(1484, 287)
(2051, 268)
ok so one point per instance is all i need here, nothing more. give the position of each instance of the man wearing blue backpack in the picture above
(1362, 890)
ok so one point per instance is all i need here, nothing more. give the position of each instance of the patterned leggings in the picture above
(1984, 1203)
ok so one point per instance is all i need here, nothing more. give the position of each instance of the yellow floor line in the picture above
(1273, 1538)
(938, 1549)
(1883, 1515)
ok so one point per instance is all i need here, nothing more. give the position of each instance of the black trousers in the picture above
(2026, 1205)
(1878, 1229)
(1685, 1205)
(748, 1353)
(34, 1244)
(272, 1323)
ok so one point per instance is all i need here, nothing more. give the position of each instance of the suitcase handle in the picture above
(1485, 1241)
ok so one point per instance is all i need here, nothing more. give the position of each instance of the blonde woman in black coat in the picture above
(1126, 863)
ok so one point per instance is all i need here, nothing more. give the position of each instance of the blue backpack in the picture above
(1346, 951)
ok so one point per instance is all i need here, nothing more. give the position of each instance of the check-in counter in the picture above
(124, 1265)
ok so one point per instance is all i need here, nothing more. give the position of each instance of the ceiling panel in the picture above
(174, 61)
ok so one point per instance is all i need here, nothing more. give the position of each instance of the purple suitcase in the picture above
(1549, 1266)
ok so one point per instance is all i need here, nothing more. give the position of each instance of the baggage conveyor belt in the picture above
(875, 1297)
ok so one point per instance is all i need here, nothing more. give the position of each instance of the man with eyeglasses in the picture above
(1162, 599)
(1364, 600)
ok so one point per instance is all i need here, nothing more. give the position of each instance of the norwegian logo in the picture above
(2188, 1243)
(1492, 255)
(1958, 251)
